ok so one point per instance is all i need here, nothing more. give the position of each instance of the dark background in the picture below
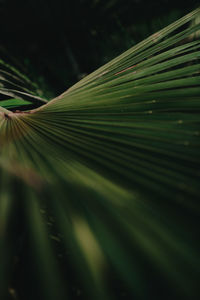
(58, 42)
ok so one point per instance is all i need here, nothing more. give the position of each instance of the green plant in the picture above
(100, 186)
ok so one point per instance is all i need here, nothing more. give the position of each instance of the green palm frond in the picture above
(99, 187)
(16, 90)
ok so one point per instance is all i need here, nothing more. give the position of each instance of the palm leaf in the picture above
(105, 179)
(16, 90)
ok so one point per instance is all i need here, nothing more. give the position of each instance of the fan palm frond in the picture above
(99, 187)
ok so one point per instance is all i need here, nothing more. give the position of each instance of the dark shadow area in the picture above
(59, 42)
